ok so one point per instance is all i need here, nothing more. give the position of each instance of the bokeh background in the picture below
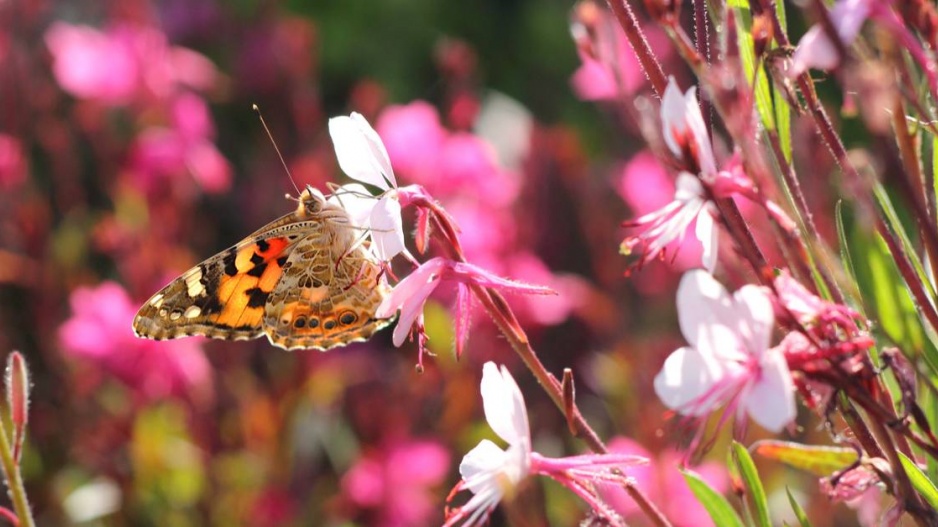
(129, 152)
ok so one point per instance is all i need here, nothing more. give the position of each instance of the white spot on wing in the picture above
(193, 311)
(157, 300)
(194, 283)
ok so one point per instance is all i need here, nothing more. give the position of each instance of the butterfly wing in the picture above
(224, 296)
(326, 298)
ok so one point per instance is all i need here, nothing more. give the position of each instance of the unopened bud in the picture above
(17, 384)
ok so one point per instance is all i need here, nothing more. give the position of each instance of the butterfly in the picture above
(304, 280)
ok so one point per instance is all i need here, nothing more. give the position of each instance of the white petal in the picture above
(387, 229)
(504, 405)
(672, 115)
(485, 459)
(698, 130)
(708, 235)
(688, 187)
(357, 202)
(770, 401)
(755, 317)
(360, 152)
(706, 313)
(686, 376)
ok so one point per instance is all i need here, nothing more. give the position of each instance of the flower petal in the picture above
(485, 458)
(755, 316)
(687, 375)
(360, 152)
(706, 313)
(504, 406)
(709, 237)
(387, 229)
(357, 202)
(770, 401)
(672, 115)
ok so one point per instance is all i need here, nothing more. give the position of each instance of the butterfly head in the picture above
(311, 202)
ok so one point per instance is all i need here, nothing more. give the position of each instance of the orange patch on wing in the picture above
(234, 299)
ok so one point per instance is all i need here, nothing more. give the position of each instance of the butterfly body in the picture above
(302, 280)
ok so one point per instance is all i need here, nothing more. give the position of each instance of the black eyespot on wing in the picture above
(313, 323)
(347, 318)
(300, 322)
(329, 325)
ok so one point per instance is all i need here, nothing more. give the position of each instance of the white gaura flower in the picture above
(363, 157)
(728, 360)
(492, 473)
(686, 137)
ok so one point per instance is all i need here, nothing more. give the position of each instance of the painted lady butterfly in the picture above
(301, 280)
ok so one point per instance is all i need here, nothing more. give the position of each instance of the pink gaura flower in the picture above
(815, 49)
(139, 62)
(492, 473)
(396, 482)
(664, 485)
(99, 332)
(609, 68)
(447, 163)
(184, 147)
(363, 157)
(411, 293)
(728, 360)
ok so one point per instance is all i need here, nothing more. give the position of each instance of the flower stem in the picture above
(14, 481)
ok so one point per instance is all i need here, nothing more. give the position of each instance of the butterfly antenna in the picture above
(276, 149)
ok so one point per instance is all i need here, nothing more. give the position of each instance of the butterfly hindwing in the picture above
(326, 298)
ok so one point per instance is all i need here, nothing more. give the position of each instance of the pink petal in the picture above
(708, 235)
(672, 115)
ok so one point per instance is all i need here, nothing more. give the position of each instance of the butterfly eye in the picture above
(313, 206)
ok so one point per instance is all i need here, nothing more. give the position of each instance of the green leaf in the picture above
(748, 57)
(799, 511)
(754, 489)
(818, 460)
(920, 481)
(720, 510)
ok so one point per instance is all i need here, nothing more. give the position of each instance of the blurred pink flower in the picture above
(397, 482)
(12, 162)
(183, 148)
(815, 49)
(123, 64)
(403, 126)
(609, 66)
(446, 163)
(662, 483)
(99, 332)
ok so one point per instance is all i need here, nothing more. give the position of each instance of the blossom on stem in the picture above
(411, 293)
(815, 49)
(492, 473)
(729, 360)
(363, 157)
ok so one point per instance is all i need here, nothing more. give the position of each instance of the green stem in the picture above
(14, 481)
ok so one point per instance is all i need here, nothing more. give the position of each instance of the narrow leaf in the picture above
(754, 489)
(920, 481)
(799, 511)
(720, 510)
(818, 460)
